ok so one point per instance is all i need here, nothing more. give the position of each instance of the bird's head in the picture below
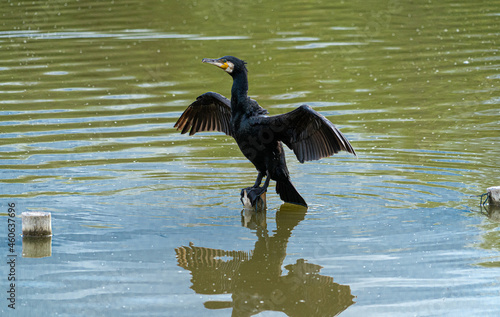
(229, 64)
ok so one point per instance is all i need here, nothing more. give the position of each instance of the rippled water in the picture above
(148, 222)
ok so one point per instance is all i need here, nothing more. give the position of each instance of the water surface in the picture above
(148, 222)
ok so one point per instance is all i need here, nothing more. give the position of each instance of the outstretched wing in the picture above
(309, 134)
(210, 112)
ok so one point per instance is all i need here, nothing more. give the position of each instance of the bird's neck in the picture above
(239, 91)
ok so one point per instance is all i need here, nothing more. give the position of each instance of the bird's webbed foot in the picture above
(252, 194)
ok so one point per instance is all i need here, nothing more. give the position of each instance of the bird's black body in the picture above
(259, 136)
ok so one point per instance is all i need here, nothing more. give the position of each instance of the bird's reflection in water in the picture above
(492, 212)
(255, 278)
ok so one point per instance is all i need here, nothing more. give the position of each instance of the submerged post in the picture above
(494, 195)
(37, 234)
(37, 247)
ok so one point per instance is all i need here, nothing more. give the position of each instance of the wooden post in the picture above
(37, 234)
(259, 205)
(494, 196)
(36, 224)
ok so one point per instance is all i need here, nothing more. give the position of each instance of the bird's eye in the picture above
(223, 60)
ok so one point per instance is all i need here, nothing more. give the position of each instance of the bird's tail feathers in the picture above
(288, 193)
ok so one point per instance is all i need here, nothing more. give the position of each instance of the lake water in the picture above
(148, 222)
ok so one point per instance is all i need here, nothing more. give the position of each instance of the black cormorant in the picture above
(309, 134)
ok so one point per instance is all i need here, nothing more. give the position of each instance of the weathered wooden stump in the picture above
(36, 224)
(37, 234)
(259, 205)
(494, 196)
